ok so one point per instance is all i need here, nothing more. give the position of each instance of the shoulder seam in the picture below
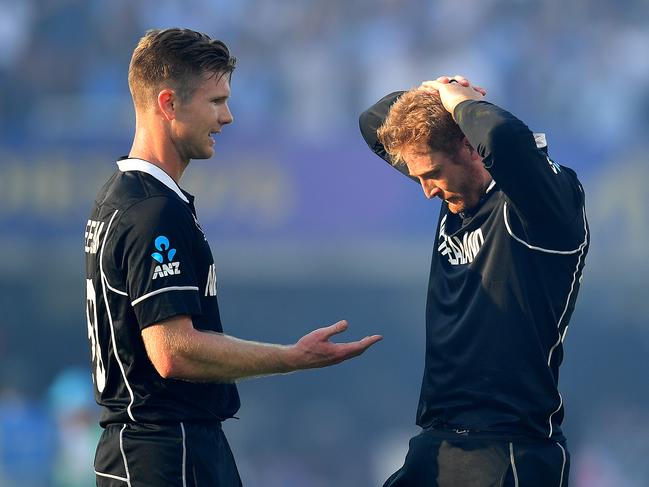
(541, 249)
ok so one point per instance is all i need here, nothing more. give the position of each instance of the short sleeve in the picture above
(155, 252)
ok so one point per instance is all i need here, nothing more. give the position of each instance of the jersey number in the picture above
(99, 372)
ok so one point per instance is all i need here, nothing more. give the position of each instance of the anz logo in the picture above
(164, 252)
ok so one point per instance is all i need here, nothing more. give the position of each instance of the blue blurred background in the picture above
(307, 226)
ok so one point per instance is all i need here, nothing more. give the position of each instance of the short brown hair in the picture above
(419, 116)
(179, 57)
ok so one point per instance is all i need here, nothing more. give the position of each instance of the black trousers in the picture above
(170, 455)
(448, 459)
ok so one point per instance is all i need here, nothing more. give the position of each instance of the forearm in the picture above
(214, 357)
(178, 350)
(494, 132)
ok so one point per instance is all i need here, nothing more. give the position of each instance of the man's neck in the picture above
(158, 151)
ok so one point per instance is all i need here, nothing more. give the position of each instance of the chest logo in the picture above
(459, 251)
(164, 252)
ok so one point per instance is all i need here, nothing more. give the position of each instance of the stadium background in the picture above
(307, 226)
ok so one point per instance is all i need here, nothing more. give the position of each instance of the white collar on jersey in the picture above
(145, 166)
(491, 186)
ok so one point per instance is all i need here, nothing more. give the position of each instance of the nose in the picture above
(430, 190)
(226, 116)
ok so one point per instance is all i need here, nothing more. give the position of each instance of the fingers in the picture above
(354, 349)
(458, 78)
(435, 85)
(480, 90)
(335, 329)
(371, 340)
(321, 352)
(367, 342)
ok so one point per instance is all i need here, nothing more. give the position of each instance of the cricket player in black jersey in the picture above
(506, 268)
(163, 369)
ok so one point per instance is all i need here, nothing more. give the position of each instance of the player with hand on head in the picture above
(163, 369)
(506, 268)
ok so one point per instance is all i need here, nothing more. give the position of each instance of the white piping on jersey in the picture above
(513, 462)
(163, 290)
(101, 474)
(182, 429)
(145, 166)
(563, 465)
(541, 249)
(121, 447)
(123, 293)
(104, 283)
(562, 336)
(491, 185)
(582, 247)
(116, 290)
(581, 250)
(553, 413)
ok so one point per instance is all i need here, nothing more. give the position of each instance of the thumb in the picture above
(335, 329)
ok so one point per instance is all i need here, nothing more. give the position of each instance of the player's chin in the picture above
(205, 153)
(455, 207)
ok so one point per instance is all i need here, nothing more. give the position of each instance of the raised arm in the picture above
(178, 350)
(541, 191)
(370, 121)
(539, 188)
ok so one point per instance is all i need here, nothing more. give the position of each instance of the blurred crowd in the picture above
(311, 66)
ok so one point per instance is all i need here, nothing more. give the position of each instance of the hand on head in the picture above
(453, 90)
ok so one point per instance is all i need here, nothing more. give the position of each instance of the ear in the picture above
(167, 104)
(468, 148)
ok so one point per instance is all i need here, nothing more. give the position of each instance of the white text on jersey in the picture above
(210, 285)
(93, 230)
(164, 270)
(460, 251)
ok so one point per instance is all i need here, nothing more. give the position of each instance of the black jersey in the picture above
(503, 282)
(147, 259)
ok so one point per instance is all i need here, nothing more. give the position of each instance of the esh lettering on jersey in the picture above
(164, 249)
(93, 231)
(459, 251)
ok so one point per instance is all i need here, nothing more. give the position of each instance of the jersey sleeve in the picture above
(542, 191)
(154, 254)
(370, 121)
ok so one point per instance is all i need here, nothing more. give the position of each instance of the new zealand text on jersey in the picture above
(459, 251)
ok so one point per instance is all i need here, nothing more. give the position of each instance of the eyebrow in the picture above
(430, 172)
